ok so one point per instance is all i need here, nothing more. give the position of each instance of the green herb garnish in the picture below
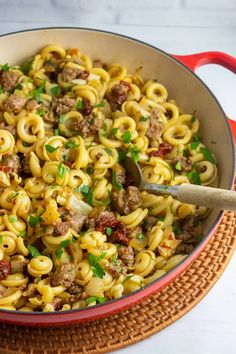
(134, 153)
(99, 299)
(25, 67)
(195, 143)
(98, 271)
(33, 221)
(5, 67)
(55, 90)
(25, 144)
(114, 182)
(71, 144)
(34, 252)
(57, 132)
(207, 154)
(102, 104)
(126, 137)
(38, 92)
(176, 229)
(22, 233)
(65, 243)
(62, 118)
(41, 112)
(108, 231)
(140, 236)
(144, 119)
(80, 105)
(193, 119)
(178, 166)
(194, 176)
(1, 239)
(12, 219)
(59, 252)
(114, 131)
(50, 148)
(1, 90)
(62, 170)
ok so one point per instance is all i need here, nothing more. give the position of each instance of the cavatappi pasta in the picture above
(74, 231)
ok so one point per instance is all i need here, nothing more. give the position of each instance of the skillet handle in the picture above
(194, 61)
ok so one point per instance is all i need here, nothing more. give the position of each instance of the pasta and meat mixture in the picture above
(74, 230)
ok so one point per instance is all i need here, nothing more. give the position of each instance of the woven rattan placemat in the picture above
(143, 320)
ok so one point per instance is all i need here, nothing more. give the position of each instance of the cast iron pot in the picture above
(176, 73)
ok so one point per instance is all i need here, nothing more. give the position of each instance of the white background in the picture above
(181, 27)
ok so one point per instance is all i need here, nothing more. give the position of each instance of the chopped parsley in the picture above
(80, 105)
(71, 144)
(176, 229)
(108, 231)
(5, 67)
(207, 154)
(99, 299)
(41, 112)
(134, 153)
(25, 144)
(1, 239)
(55, 90)
(196, 142)
(22, 233)
(12, 219)
(114, 131)
(1, 90)
(59, 252)
(87, 193)
(194, 175)
(33, 221)
(34, 252)
(89, 170)
(98, 271)
(178, 166)
(193, 119)
(62, 170)
(50, 148)
(62, 118)
(65, 243)
(26, 66)
(37, 93)
(144, 119)
(100, 105)
(126, 137)
(57, 132)
(104, 128)
(114, 182)
(140, 236)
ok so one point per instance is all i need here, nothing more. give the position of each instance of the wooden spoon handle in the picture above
(207, 196)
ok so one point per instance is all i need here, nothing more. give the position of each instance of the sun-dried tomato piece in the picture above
(164, 148)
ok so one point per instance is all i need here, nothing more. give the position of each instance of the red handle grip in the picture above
(194, 61)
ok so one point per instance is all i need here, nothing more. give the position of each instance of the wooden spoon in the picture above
(186, 193)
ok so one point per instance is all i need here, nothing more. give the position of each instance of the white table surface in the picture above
(176, 26)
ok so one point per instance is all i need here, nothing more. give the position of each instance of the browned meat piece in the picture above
(14, 104)
(190, 229)
(155, 128)
(126, 254)
(119, 232)
(69, 74)
(70, 219)
(126, 201)
(116, 268)
(87, 108)
(87, 127)
(26, 165)
(64, 275)
(120, 173)
(51, 68)
(148, 223)
(18, 263)
(184, 248)
(2, 290)
(75, 289)
(8, 79)
(97, 63)
(5, 269)
(30, 291)
(10, 164)
(118, 94)
(90, 223)
(62, 105)
(184, 163)
(32, 105)
(56, 303)
(48, 117)
(76, 220)
(61, 227)
(10, 128)
(133, 233)
(163, 149)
